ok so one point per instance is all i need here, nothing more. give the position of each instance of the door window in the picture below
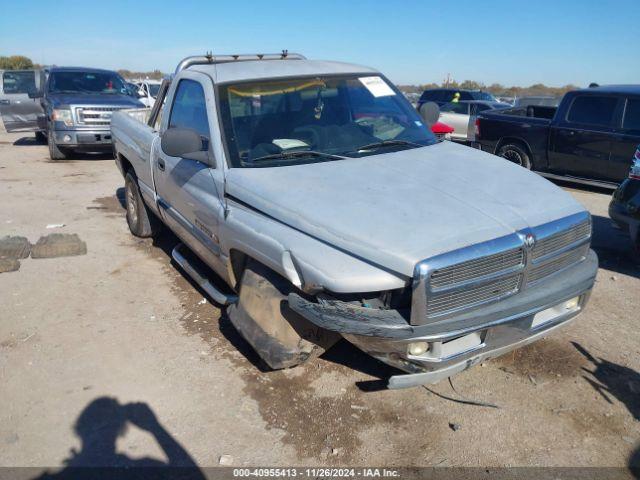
(632, 115)
(189, 109)
(19, 82)
(592, 110)
(455, 107)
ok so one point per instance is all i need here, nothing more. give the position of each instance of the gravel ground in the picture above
(90, 345)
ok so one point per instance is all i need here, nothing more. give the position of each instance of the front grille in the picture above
(478, 268)
(556, 264)
(456, 287)
(445, 302)
(99, 116)
(560, 240)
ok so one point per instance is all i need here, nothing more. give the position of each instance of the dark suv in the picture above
(445, 95)
(78, 103)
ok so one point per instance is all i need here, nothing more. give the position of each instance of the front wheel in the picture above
(142, 222)
(55, 152)
(281, 337)
(515, 153)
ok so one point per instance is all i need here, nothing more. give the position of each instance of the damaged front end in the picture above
(469, 305)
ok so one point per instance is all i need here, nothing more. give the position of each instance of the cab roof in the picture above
(240, 71)
(625, 89)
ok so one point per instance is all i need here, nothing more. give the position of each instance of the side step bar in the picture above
(201, 279)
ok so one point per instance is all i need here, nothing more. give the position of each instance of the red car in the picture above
(442, 130)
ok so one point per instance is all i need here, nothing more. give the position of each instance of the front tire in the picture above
(142, 222)
(515, 153)
(55, 152)
(281, 337)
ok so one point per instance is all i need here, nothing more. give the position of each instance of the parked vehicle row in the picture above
(588, 139)
(326, 207)
(70, 107)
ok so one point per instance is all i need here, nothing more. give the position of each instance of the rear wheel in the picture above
(516, 153)
(55, 152)
(142, 222)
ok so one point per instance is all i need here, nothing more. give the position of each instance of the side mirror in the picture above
(186, 143)
(430, 112)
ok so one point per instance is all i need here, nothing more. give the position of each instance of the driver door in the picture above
(19, 112)
(189, 191)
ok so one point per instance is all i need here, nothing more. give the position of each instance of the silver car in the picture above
(461, 117)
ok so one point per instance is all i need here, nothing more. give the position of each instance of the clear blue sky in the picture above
(511, 42)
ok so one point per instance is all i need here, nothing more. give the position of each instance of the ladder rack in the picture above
(210, 59)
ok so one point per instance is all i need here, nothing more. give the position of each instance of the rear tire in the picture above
(515, 153)
(55, 152)
(280, 336)
(142, 222)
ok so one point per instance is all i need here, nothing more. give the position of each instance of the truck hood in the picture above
(116, 100)
(397, 209)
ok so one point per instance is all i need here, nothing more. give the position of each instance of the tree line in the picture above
(495, 88)
(16, 62)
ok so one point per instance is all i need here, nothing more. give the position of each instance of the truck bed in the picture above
(528, 126)
(132, 138)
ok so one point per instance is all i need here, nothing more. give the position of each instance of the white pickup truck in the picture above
(313, 200)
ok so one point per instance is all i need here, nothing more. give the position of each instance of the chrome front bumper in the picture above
(462, 341)
(446, 357)
(89, 138)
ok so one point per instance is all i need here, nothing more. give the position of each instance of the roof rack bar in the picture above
(209, 58)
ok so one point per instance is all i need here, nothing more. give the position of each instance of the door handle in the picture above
(161, 164)
(4, 102)
(571, 133)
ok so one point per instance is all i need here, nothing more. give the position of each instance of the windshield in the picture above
(483, 96)
(272, 123)
(87, 82)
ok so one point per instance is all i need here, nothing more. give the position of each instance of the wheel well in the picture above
(125, 164)
(516, 141)
(238, 261)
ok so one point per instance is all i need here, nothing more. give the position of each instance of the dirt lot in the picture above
(83, 337)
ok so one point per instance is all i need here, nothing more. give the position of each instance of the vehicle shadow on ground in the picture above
(100, 425)
(634, 463)
(623, 383)
(614, 248)
(608, 378)
(34, 141)
(166, 241)
(28, 142)
(346, 354)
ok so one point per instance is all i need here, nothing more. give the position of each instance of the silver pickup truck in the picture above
(312, 199)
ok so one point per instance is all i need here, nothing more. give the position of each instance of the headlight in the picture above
(64, 116)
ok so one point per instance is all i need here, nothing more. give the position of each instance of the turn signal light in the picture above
(417, 348)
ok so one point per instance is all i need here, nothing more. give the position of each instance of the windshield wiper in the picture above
(298, 154)
(388, 143)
